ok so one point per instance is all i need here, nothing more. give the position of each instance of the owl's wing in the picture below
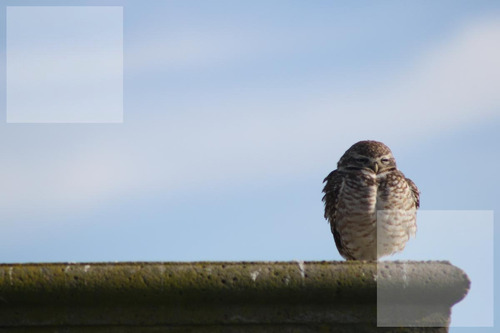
(414, 191)
(334, 182)
(332, 189)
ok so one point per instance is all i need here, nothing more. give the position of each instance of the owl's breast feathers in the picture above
(350, 203)
(367, 192)
(395, 191)
(352, 190)
(352, 198)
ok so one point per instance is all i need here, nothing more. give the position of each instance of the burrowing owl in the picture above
(369, 203)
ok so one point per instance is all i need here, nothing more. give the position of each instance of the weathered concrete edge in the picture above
(167, 283)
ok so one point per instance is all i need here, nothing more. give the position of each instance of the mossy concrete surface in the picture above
(230, 296)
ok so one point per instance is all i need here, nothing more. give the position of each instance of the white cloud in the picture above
(186, 48)
(457, 81)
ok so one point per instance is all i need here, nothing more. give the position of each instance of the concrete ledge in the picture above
(229, 296)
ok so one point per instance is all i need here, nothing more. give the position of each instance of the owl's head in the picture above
(367, 155)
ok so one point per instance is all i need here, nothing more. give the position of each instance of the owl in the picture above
(370, 205)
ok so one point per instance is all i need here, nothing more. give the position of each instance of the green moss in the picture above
(219, 293)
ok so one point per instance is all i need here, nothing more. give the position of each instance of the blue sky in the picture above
(235, 111)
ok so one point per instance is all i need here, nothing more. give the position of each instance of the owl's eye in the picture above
(385, 160)
(363, 160)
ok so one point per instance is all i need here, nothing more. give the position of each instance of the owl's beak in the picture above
(375, 167)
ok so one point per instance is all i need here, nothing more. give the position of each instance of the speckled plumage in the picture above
(370, 205)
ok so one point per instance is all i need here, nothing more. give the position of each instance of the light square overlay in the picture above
(64, 64)
(465, 239)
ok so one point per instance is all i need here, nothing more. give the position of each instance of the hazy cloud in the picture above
(452, 83)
